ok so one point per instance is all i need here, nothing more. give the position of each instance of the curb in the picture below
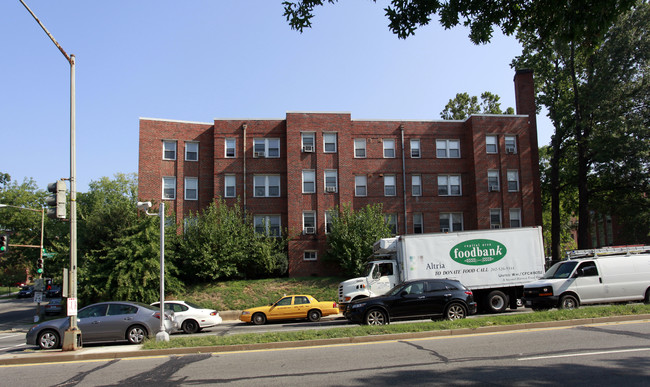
(52, 356)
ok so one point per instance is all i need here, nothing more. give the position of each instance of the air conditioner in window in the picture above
(444, 230)
(308, 148)
(258, 154)
(310, 230)
(510, 149)
(495, 226)
(330, 189)
(493, 188)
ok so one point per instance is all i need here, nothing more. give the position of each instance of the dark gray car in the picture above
(105, 321)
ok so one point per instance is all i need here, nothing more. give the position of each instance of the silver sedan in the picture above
(105, 321)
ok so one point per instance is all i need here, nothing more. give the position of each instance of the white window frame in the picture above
(269, 143)
(494, 185)
(230, 144)
(230, 181)
(266, 220)
(329, 214)
(330, 139)
(511, 143)
(416, 152)
(418, 220)
(188, 151)
(391, 221)
(445, 148)
(360, 182)
(172, 143)
(416, 185)
(389, 148)
(267, 185)
(169, 182)
(330, 174)
(310, 255)
(191, 183)
(388, 179)
(515, 216)
(359, 145)
(306, 221)
(311, 140)
(496, 220)
(491, 144)
(451, 226)
(513, 179)
(447, 181)
(308, 176)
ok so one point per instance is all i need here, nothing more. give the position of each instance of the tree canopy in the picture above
(463, 106)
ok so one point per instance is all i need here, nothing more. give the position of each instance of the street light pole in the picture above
(71, 340)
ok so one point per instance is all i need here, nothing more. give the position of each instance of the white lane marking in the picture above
(584, 354)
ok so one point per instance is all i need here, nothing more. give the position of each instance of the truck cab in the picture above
(380, 276)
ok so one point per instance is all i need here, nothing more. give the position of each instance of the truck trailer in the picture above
(494, 264)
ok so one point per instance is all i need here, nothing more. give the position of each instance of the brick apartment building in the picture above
(431, 176)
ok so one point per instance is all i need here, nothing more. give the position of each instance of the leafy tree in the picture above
(221, 243)
(352, 235)
(463, 106)
(547, 17)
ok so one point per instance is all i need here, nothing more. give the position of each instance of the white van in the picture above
(616, 275)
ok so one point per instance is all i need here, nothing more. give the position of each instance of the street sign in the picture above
(38, 297)
(72, 306)
(48, 255)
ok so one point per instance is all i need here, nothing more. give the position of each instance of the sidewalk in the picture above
(131, 351)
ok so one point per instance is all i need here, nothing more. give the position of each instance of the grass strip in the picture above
(355, 330)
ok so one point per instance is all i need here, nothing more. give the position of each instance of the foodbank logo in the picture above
(478, 252)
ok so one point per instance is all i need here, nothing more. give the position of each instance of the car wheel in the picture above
(455, 311)
(646, 300)
(496, 302)
(136, 334)
(314, 315)
(376, 317)
(49, 339)
(190, 326)
(259, 319)
(568, 302)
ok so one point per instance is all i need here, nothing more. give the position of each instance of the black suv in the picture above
(413, 299)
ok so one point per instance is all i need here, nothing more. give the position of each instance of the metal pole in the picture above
(162, 335)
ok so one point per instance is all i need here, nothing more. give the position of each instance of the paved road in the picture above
(592, 355)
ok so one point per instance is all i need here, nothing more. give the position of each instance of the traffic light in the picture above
(57, 201)
(4, 243)
(39, 265)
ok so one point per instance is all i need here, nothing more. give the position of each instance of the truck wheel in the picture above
(496, 302)
(376, 317)
(568, 302)
(455, 311)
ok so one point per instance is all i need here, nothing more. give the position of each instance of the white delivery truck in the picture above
(611, 274)
(494, 264)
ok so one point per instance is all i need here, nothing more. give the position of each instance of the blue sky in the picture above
(199, 60)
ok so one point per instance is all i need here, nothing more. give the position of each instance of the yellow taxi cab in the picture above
(290, 307)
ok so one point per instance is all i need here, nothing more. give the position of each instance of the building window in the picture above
(266, 147)
(231, 143)
(360, 148)
(515, 217)
(449, 185)
(451, 221)
(308, 181)
(495, 218)
(415, 148)
(229, 183)
(169, 188)
(391, 221)
(266, 185)
(310, 255)
(309, 222)
(267, 224)
(360, 185)
(308, 141)
(491, 144)
(169, 150)
(418, 226)
(329, 215)
(190, 222)
(416, 185)
(329, 142)
(191, 188)
(191, 151)
(389, 149)
(331, 181)
(389, 185)
(447, 149)
(513, 181)
(511, 144)
(493, 181)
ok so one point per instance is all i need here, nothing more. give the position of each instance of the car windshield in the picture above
(141, 305)
(193, 305)
(560, 270)
(396, 290)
